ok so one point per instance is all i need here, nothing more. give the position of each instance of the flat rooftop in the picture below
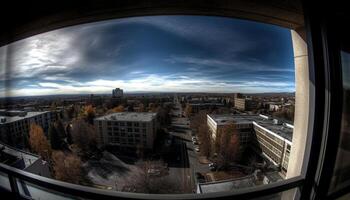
(28, 158)
(23, 115)
(280, 128)
(129, 116)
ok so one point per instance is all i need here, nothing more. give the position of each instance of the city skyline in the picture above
(151, 54)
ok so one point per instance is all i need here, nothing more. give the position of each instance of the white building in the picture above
(270, 137)
(127, 129)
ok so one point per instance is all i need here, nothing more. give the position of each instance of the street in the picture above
(181, 132)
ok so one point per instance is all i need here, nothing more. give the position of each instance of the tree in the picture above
(198, 123)
(152, 107)
(205, 140)
(60, 129)
(117, 109)
(163, 115)
(228, 145)
(285, 113)
(188, 110)
(146, 183)
(70, 112)
(84, 136)
(38, 141)
(141, 108)
(55, 139)
(69, 134)
(67, 167)
(89, 114)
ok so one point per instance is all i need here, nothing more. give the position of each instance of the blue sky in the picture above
(152, 54)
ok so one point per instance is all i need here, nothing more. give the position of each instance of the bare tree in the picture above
(84, 136)
(67, 167)
(152, 107)
(145, 182)
(205, 140)
(228, 145)
(38, 141)
(198, 124)
(89, 113)
(188, 110)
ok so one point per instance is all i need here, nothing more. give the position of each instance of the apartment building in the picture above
(271, 138)
(245, 104)
(117, 92)
(15, 124)
(127, 129)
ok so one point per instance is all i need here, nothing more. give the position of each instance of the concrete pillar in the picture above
(300, 142)
(302, 102)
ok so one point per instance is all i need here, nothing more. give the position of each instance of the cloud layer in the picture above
(151, 54)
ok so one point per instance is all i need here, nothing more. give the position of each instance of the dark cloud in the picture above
(163, 50)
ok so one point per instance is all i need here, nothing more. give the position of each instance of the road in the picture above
(189, 158)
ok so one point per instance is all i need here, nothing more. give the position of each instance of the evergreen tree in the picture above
(69, 135)
(60, 129)
(55, 139)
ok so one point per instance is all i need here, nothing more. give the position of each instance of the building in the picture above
(117, 92)
(226, 185)
(196, 107)
(23, 160)
(245, 104)
(15, 125)
(127, 129)
(271, 138)
(244, 127)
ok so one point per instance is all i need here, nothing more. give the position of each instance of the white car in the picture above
(196, 149)
(153, 172)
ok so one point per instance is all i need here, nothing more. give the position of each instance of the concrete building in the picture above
(23, 160)
(15, 125)
(271, 138)
(245, 104)
(196, 107)
(117, 92)
(127, 129)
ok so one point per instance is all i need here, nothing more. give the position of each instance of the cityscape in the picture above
(151, 104)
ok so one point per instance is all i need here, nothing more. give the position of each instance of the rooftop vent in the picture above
(2, 119)
(276, 121)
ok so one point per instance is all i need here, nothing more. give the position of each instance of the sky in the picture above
(151, 54)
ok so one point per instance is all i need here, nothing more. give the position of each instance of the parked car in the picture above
(153, 172)
(197, 149)
(212, 166)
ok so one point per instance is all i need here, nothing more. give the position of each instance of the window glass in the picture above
(341, 174)
(182, 98)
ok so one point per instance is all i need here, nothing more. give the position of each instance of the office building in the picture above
(127, 129)
(117, 92)
(245, 104)
(271, 138)
(15, 125)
